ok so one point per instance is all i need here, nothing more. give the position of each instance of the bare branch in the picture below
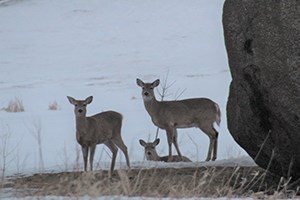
(36, 132)
(177, 94)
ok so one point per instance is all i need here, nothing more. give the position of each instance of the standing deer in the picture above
(101, 128)
(151, 154)
(187, 113)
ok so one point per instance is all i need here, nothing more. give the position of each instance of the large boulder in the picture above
(262, 39)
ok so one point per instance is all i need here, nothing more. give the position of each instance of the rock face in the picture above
(262, 39)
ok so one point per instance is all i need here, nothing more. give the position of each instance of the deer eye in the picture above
(84, 105)
(76, 105)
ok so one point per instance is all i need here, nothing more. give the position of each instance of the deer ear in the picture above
(155, 83)
(71, 100)
(142, 142)
(140, 83)
(89, 100)
(156, 142)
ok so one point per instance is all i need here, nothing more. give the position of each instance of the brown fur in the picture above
(187, 113)
(101, 128)
(151, 154)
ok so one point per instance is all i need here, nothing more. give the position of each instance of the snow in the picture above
(53, 49)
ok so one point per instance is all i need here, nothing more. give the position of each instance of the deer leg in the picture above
(114, 151)
(215, 145)
(211, 143)
(92, 152)
(212, 134)
(175, 142)
(169, 133)
(85, 152)
(119, 142)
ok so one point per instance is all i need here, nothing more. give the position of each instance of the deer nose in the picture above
(149, 153)
(146, 93)
(80, 110)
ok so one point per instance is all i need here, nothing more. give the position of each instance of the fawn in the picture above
(101, 128)
(151, 154)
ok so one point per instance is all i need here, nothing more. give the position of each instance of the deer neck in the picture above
(157, 157)
(153, 157)
(81, 124)
(151, 106)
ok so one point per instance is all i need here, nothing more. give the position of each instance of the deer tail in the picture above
(218, 114)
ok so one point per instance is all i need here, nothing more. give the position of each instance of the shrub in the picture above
(54, 106)
(15, 105)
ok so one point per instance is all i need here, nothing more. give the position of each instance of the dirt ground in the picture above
(156, 182)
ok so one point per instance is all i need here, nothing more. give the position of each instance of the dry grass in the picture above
(163, 182)
(15, 105)
(53, 106)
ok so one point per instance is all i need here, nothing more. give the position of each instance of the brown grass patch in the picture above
(15, 105)
(156, 182)
(53, 106)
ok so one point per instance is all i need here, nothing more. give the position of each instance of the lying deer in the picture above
(170, 115)
(101, 128)
(151, 154)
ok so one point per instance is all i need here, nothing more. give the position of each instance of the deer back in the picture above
(105, 125)
(175, 159)
(183, 113)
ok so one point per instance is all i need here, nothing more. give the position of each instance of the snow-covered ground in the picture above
(51, 49)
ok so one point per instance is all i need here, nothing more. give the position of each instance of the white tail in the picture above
(102, 128)
(151, 154)
(170, 115)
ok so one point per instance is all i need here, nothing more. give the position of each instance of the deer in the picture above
(101, 128)
(201, 113)
(151, 154)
